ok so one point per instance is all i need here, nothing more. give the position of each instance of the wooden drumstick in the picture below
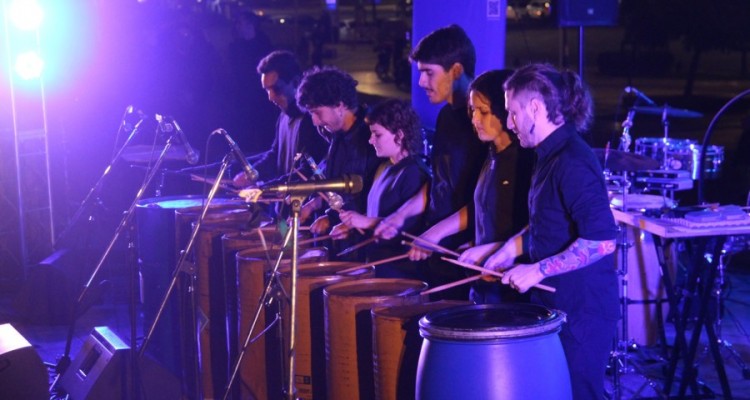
(431, 247)
(452, 284)
(486, 271)
(374, 263)
(313, 240)
(357, 246)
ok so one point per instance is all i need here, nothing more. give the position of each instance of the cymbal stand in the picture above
(189, 268)
(65, 359)
(620, 357)
(292, 235)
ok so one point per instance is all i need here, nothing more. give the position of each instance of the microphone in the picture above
(250, 173)
(335, 201)
(167, 124)
(349, 184)
(639, 95)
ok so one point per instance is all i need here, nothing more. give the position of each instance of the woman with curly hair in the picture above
(396, 136)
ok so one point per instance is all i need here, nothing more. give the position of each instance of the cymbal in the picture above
(624, 161)
(145, 153)
(671, 111)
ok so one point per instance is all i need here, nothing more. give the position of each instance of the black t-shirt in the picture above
(501, 195)
(294, 134)
(457, 157)
(393, 186)
(568, 200)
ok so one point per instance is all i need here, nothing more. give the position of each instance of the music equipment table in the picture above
(708, 241)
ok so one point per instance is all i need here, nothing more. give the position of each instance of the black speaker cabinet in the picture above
(22, 373)
(102, 370)
(587, 12)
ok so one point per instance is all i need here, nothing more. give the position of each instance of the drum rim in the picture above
(417, 287)
(429, 328)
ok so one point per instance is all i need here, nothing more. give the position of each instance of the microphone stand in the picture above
(183, 266)
(296, 202)
(97, 186)
(65, 359)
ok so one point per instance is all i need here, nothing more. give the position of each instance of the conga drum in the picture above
(492, 351)
(310, 359)
(396, 346)
(158, 250)
(261, 367)
(349, 330)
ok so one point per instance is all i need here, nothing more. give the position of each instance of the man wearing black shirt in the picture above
(330, 96)
(570, 239)
(446, 60)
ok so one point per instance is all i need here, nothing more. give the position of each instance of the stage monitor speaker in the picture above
(101, 370)
(22, 372)
(587, 12)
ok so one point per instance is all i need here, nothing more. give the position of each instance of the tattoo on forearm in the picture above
(580, 254)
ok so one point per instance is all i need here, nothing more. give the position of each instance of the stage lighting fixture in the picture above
(26, 15)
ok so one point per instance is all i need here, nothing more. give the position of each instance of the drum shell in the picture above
(215, 289)
(261, 367)
(682, 154)
(310, 362)
(492, 361)
(396, 347)
(349, 330)
(158, 250)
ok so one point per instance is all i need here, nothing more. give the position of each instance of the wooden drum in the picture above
(349, 330)
(261, 367)
(310, 360)
(396, 346)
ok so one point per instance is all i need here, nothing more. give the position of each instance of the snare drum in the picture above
(492, 351)
(310, 358)
(349, 330)
(641, 202)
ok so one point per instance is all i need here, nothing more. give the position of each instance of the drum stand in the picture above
(619, 357)
(189, 268)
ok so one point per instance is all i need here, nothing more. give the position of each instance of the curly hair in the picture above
(445, 47)
(490, 85)
(565, 96)
(283, 63)
(397, 115)
(327, 87)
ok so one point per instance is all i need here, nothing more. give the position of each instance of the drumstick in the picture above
(426, 244)
(452, 284)
(374, 263)
(323, 196)
(491, 272)
(427, 247)
(315, 239)
(357, 246)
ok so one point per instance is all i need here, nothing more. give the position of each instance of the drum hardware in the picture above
(293, 235)
(620, 357)
(726, 251)
(124, 224)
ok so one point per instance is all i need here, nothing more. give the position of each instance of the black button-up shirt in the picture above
(568, 200)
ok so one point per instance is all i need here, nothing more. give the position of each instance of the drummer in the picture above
(500, 197)
(280, 74)
(396, 136)
(571, 234)
(446, 60)
(330, 96)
